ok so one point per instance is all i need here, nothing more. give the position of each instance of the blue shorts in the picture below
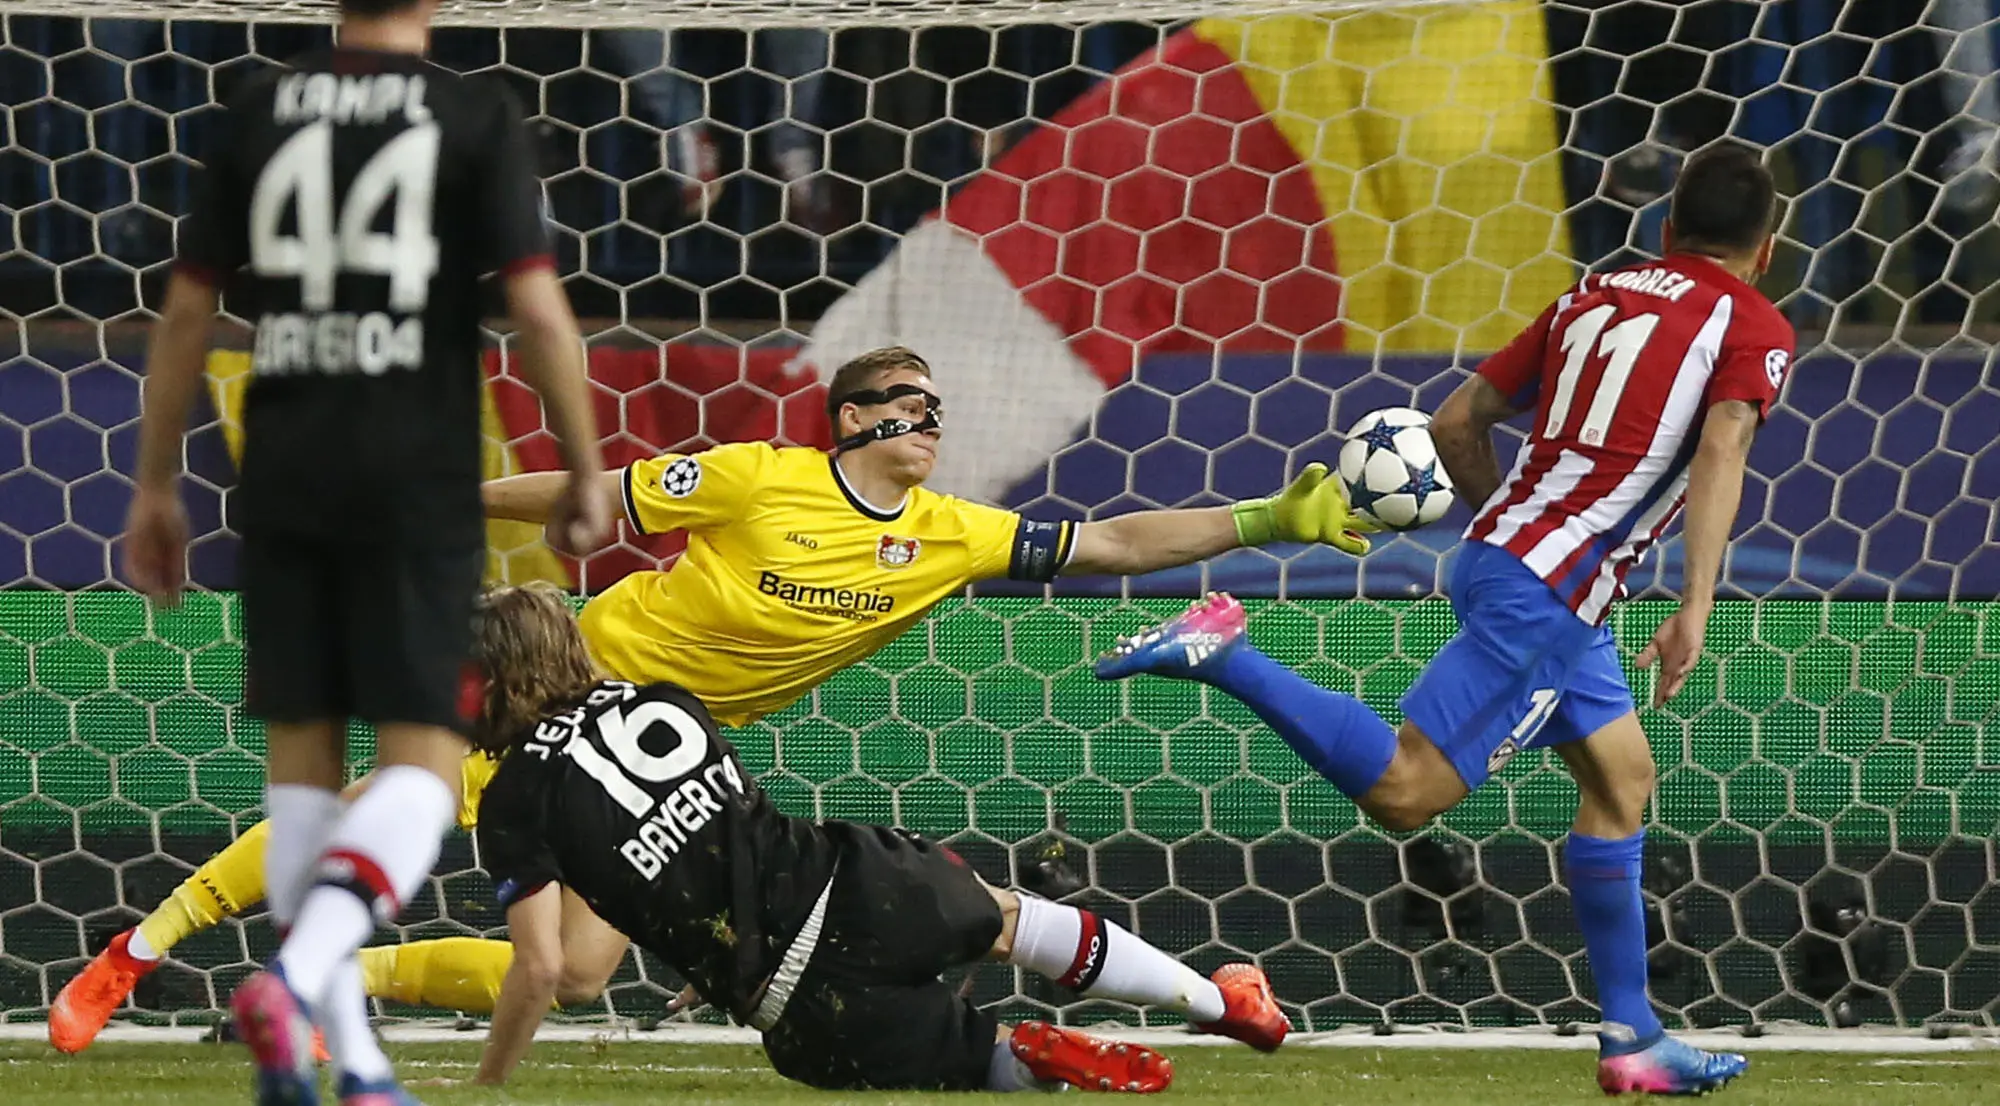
(1523, 671)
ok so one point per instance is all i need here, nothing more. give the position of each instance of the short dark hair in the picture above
(1725, 199)
(862, 372)
(375, 7)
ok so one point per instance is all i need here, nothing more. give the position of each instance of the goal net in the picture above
(1157, 261)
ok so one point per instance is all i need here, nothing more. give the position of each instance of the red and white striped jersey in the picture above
(1620, 372)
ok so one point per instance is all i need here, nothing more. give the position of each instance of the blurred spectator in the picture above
(1867, 106)
(1865, 118)
(666, 96)
(1965, 33)
(1673, 97)
(126, 89)
(1640, 83)
(119, 43)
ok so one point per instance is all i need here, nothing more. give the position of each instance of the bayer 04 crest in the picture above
(895, 552)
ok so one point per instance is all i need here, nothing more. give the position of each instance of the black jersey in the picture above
(367, 192)
(635, 802)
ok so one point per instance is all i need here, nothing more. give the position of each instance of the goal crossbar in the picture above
(736, 14)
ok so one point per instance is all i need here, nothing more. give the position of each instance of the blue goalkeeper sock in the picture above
(1604, 886)
(1336, 734)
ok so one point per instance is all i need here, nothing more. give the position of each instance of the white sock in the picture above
(301, 818)
(1006, 1073)
(343, 1014)
(1104, 960)
(376, 857)
(138, 949)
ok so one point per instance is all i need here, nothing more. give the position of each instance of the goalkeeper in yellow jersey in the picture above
(798, 564)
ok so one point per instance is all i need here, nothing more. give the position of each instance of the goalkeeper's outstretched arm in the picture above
(1312, 509)
(1146, 541)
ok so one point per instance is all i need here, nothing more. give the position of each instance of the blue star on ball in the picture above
(1364, 497)
(1381, 436)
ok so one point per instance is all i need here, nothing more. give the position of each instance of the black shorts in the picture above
(870, 1011)
(352, 630)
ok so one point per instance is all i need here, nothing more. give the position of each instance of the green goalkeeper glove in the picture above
(1312, 509)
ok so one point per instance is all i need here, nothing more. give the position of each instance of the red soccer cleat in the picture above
(1249, 1010)
(87, 1002)
(1058, 1055)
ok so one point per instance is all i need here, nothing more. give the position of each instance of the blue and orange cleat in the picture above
(273, 1022)
(1666, 1066)
(384, 1092)
(1185, 646)
(1053, 1054)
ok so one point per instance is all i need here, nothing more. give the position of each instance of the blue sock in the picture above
(1334, 733)
(1604, 886)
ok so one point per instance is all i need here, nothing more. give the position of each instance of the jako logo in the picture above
(797, 538)
(1089, 962)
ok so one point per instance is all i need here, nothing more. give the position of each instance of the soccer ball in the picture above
(1391, 469)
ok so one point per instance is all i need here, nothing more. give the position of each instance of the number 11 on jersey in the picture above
(1584, 337)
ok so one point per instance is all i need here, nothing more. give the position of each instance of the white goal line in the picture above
(1773, 1039)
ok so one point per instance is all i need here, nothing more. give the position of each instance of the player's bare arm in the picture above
(529, 989)
(156, 529)
(1463, 431)
(578, 508)
(1715, 488)
(532, 496)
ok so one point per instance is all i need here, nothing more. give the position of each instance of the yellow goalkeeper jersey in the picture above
(474, 773)
(789, 576)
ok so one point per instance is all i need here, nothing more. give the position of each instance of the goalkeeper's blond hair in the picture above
(862, 372)
(526, 644)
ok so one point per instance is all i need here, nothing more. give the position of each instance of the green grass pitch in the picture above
(649, 1074)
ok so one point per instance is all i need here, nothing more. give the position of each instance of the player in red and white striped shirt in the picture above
(1646, 386)
(1620, 373)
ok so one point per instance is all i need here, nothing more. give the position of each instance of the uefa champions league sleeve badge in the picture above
(680, 479)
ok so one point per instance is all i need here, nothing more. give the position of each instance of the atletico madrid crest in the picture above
(894, 552)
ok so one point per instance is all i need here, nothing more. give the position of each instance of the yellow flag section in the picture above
(515, 550)
(1432, 140)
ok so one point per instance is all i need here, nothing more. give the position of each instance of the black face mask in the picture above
(889, 428)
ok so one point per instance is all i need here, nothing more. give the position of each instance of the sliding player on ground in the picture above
(1647, 385)
(798, 564)
(828, 938)
(367, 192)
